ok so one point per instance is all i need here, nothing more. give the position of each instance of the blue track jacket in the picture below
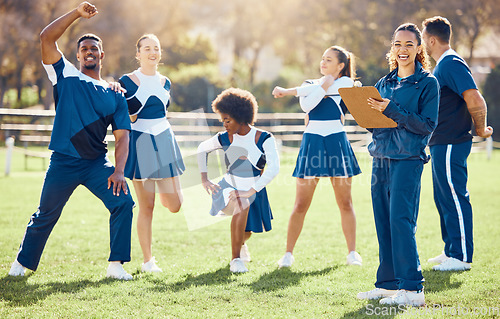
(414, 106)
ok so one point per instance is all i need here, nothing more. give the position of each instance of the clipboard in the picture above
(355, 99)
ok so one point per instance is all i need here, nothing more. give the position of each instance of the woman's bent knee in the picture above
(174, 209)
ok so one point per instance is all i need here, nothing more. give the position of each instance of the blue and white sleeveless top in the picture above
(245, 159)
(149, 101)
(323, 107)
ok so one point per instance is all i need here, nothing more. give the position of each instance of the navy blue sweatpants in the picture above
(395, 199)
(64, 174)
(449, 177)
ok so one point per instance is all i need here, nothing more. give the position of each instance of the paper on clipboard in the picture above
(355, 99)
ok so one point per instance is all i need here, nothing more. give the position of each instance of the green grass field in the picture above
(194, 251)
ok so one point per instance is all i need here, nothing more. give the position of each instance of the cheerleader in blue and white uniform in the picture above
(325, 150)
(154, 161)
(241, 192)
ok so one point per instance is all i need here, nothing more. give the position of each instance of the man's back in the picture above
(454, 120)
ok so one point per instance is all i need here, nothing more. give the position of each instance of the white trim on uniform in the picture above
(445, 54)
(151, 126)
(456, 201)
(324, 128)
(69, 70)
(51, 72)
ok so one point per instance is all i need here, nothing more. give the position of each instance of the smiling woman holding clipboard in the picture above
(409, 95)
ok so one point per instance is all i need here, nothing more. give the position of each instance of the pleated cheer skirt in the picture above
(153, 156)
(326, 156)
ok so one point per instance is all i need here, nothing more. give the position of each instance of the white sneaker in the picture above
(354, 259)
(376, 293)
(405, 297)
(245, 254)
(438, 259)
(115, 270)
(286, 261)
(452, 264)
(17, 269)
(237, 265)
(150, 266)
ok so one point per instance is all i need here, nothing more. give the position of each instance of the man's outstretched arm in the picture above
(52, 32)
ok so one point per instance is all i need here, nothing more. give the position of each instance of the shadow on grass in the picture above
(217, 277)
(284, 277)
(17, 292)
(436, 281)
(374, 309)
(274, 280)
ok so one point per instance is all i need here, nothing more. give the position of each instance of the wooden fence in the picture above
(33, 127)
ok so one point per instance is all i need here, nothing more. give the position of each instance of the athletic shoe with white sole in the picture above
(354, 259)
(17, 269)
(452, 264)
(150, 266)
(376, 293)
(438, 259)
(237, 266)
(405, 297)
(245, 254)
(286, 261)
(116, 271)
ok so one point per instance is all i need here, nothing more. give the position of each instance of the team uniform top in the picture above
(245, 158)
(325, 114)
(149, 102)
(85, 107)
(324, 150)
(413, 105)
(454, 120)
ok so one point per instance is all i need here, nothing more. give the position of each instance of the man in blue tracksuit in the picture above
(460, 105)
(85, 107)
(410, 98)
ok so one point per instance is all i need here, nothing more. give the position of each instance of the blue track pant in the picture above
(64, 174)
(395, 200)
(449, 177)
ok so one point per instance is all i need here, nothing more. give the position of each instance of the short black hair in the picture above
(439, 27)
(239, 104)
(89, 36)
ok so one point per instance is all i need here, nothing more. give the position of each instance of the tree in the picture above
(19, 44)
(298, 31)
(247, 27)
(470, 20)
